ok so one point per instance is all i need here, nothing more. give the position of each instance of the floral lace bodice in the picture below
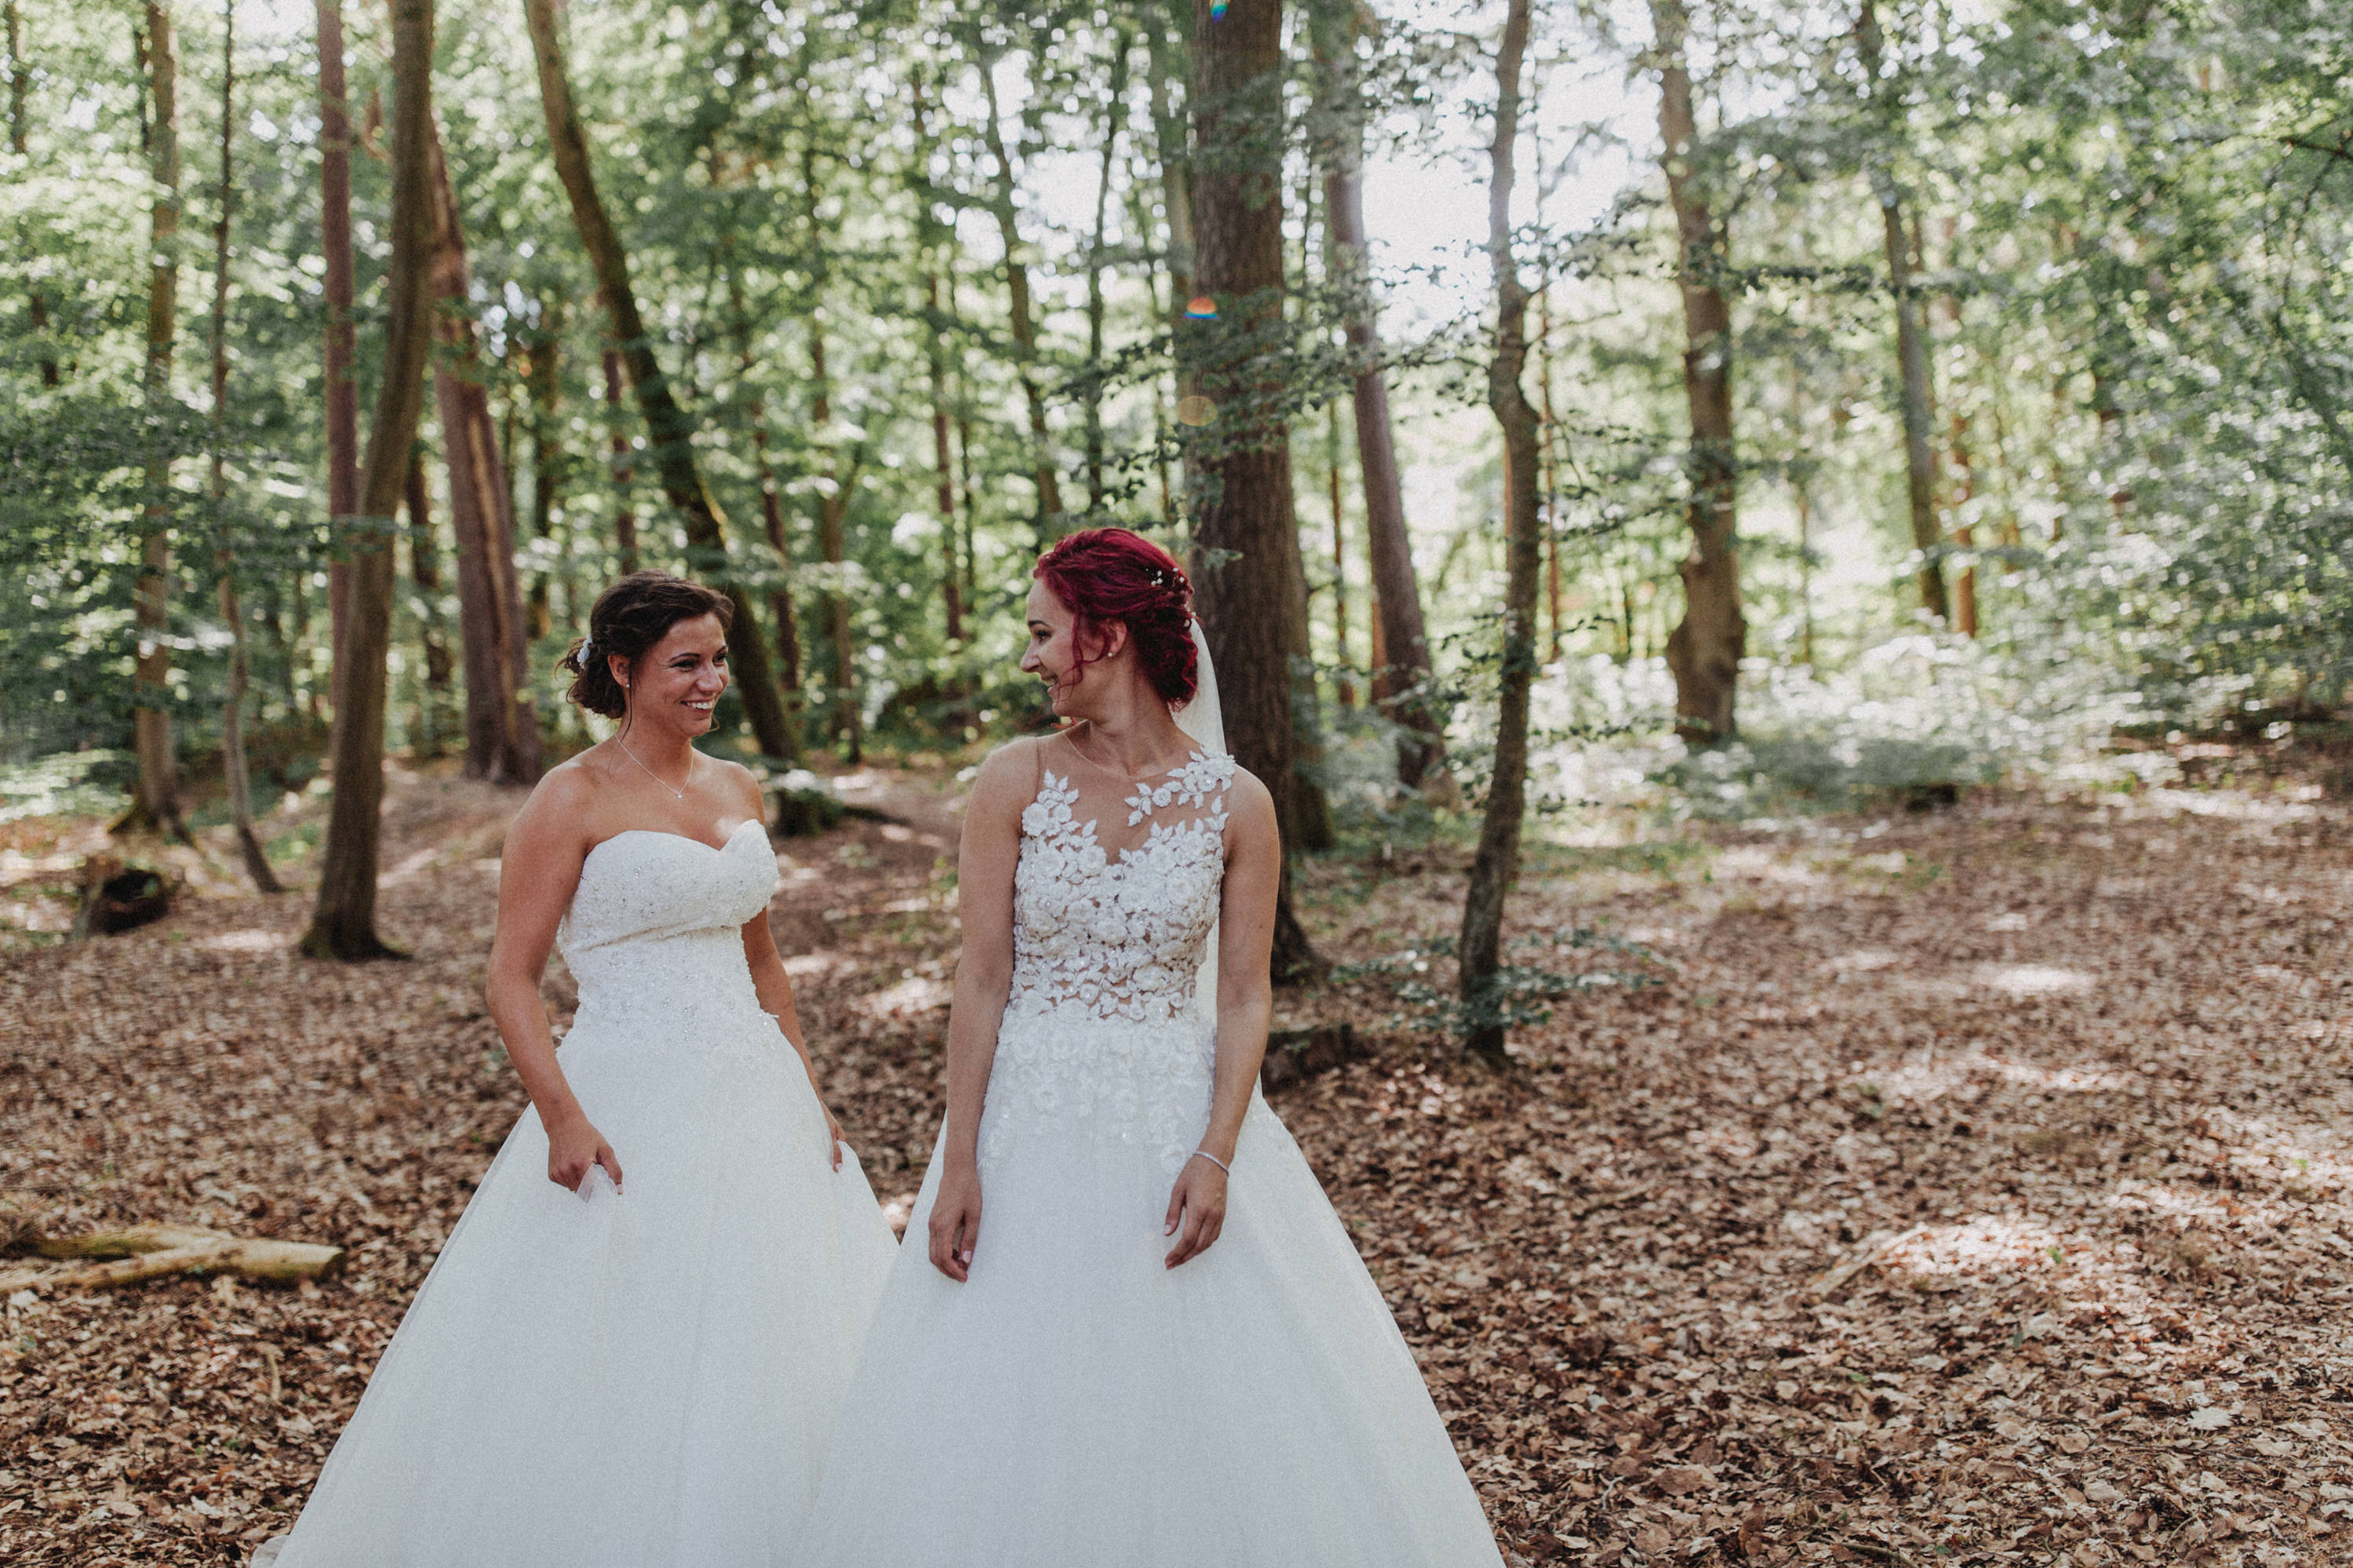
(654, 936)
(1114, 897)
(1118, 932)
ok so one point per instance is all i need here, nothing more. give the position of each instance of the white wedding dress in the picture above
(1074, 1403)
(647, 1379)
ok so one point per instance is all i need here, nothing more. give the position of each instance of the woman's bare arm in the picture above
(1245, 1008)
(545, 846)
(768, 965)
(985, 863)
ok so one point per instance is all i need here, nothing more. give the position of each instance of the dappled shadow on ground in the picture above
(1969, 1188)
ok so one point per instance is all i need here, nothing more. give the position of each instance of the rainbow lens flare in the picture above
(1196, 410)
(1201, 308)
(1217, 11)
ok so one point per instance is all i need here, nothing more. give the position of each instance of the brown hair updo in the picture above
(1107, 574)
(628, 619)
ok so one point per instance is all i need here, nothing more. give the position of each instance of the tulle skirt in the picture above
(641, 1381)
(1076, 1405)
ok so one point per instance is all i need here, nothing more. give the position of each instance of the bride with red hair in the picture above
(1127, 1328)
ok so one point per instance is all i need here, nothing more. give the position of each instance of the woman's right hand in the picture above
(955, 1221)
(574, 1146)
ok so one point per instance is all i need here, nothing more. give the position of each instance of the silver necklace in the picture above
(674, 793)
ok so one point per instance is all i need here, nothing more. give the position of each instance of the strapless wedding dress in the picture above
(646, 1380)
(1074, 1403)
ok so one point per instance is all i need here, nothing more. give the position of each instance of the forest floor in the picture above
(1967, 1188)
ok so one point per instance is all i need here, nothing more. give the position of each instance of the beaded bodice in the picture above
(1118, 933)
(654, 935)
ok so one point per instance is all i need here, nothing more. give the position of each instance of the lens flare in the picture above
(1196, 410)
(1201, 308)
(1217, 11)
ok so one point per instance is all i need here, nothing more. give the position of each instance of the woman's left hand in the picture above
(833, 1132)
(1198, 1203)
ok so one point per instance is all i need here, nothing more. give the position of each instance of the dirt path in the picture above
(1967, 1188)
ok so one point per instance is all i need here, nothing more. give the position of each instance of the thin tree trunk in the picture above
(424, 575)
(625, 471)
(156, 801)
(236, 778)
(20, 82)
(1025, 331)
(1911, 342)
(1965, 484)
(342, 925)
(502, 739)
(551, 468)
(1176, 185)
(343, 393)
(772, 510)
(669, 426)
(1246, 535)
(1497, 861)
(1704, 651)
(1112, 113)
(847, 721)
(1344, 687)
(934, 235)
(1401, 668)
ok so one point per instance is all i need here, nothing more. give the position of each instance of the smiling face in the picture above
(676, 684)
(1053, 654)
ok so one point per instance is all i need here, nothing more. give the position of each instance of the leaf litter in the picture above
(1969, 1188)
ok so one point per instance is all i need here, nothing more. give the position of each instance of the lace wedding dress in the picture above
(1074, 1403)
(647, 1379)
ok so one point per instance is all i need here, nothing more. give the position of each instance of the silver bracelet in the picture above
(1213, 1159)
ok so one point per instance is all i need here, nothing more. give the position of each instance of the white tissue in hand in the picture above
(598, 1179)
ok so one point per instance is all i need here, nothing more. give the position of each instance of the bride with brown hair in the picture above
(648, 1379)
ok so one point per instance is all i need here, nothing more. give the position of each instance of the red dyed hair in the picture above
(1111, 574)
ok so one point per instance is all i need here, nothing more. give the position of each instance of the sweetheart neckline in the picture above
(685, 837)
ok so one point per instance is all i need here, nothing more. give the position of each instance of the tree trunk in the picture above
(1702, 652)
(342, 925)
(1481, 945)
(502, 739)
(669, 426)
(20, 82)
(625, 470)
(424, 575)
(156, 799)
(549, 465)
(1247, 569)
(343, 393)
(1401, 668)
(1112, 112)
(771, 509)
(1051, 519)
(1345, 686)
(934, 236)
(1911, 337)
(236, 777)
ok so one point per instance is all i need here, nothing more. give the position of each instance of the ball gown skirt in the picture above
(1077, 1404)
(646, 1380)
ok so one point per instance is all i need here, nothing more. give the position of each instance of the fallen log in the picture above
(155, 1251)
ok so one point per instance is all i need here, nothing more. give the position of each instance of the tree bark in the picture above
(1247, 568)
(20, 82)
(343, 393)
(1051, 518)
(502, 739)
(1911, 339)
(425, 576)
(236, 777)
(669, 428)
(1112, 113)
(1401, 668)
(342, 925)
(1704, 651)
(772, 507)
(156, 799)
(1497, 861)
(625, 471)
(934, 236)
(550, 466)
